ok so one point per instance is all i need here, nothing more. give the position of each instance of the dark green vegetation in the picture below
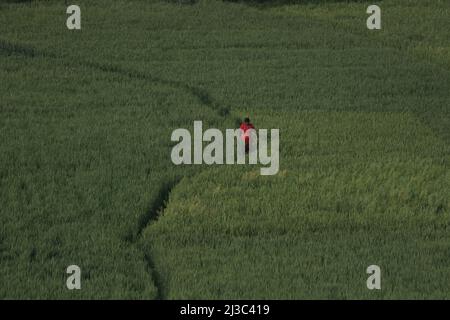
(85, 166)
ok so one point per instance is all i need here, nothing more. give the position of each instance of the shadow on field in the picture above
(182, 1)
(9, 49)
(274, 3)
(18, 1)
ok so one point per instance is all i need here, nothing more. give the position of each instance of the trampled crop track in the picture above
(156, 209)
(201, 94)
(159, 204)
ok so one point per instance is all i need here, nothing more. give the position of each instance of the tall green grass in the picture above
(354, 189)
(86, 119)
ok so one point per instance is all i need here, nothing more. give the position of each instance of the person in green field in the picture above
(245, 126)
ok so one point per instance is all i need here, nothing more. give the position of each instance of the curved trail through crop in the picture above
(158, 206)
(201, 94)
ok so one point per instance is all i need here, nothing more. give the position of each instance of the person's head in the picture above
(247, 120)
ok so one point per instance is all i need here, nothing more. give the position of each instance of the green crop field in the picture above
(86, 176)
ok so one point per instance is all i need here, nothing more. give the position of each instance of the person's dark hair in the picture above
(247, 120)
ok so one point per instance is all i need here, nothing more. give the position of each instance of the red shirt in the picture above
(244, 127)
